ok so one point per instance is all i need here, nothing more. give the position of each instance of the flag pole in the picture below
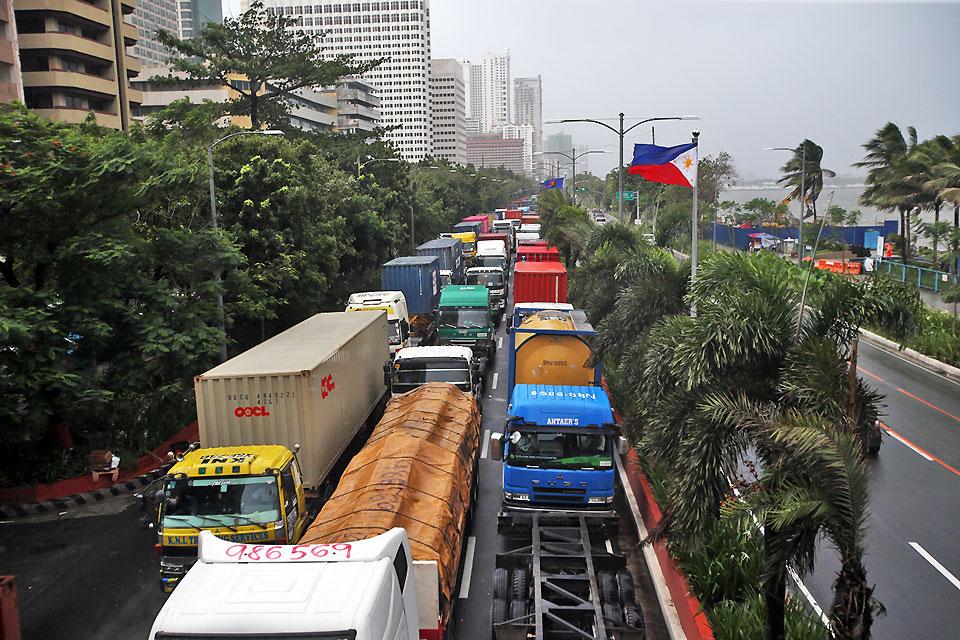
(694, 225)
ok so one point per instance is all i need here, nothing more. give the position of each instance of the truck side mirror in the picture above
(496, 446)
(623, 445)
(509, 329)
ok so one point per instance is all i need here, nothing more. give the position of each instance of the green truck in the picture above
(464, 318)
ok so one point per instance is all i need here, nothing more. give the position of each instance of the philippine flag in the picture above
(669, 165)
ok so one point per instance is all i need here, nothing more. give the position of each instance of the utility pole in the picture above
(694, 224)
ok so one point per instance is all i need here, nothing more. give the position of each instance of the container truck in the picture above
(495, 281)
(506, 227)
(416, 366)
(539, 282)
(558, 449)
(395, 305)
(483, 219)
(418, 277)
(380, 561)
(538, 253)
(530, 218)
(464, 319)
(513, 214)
(493, 253)
(506, 237)
(449, 251)
(468, 239)
(475, 226)
(273, 421)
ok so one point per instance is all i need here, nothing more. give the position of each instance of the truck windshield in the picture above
(494, 280)
(202, 502)
(561, 451)
(469, 247)
(413, 373)
(465, 318)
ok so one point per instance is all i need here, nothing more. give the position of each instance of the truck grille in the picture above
(566, 491)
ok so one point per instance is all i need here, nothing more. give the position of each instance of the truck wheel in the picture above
(625, 585)
(613, 614)
(608, 587)
(500, 586)
(521, 584)
(499, 613)
(518, 608)
(633, 617)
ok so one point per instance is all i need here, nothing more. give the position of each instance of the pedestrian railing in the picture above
(924, 278)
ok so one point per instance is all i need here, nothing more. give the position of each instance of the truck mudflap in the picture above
(562, 579)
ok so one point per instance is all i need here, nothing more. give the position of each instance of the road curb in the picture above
(915, 357)
(60, 505)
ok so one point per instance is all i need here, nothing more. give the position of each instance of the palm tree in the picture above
(805, 167)
(887, 188)
(946, 182)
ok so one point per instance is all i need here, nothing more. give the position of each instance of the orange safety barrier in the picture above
(9, 617)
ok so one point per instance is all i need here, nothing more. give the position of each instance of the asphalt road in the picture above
(915, 504)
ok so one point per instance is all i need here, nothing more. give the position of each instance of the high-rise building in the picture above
(150, 16)
(449, 110)
(76, 57)
(489, 91)
(492, 150)
(358, 106)
(525, 133)
(192, 15)
(11, 86)
(562, 143)
(528, 108)
(395, 30)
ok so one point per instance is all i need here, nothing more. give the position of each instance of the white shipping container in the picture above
(315, 385)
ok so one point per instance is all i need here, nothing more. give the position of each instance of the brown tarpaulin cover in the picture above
(415, 472)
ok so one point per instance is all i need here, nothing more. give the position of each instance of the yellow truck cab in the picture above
(469, 241)
(251, 494)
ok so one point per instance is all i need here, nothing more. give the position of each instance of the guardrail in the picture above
(931, 279)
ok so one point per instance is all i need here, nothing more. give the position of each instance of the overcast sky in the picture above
(757, 73)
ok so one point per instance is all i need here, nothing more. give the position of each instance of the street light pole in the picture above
(572, 157)
(621, 134)
(214, 224)
(361, 165)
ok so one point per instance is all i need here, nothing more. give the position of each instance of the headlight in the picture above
(600, 500)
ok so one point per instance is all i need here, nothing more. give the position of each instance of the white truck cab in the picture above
(394, 304)
(416, 366)
(493, 253)
(364, 590)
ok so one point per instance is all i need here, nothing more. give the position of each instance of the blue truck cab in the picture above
(558, 449)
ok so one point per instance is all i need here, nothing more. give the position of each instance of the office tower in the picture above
(449, 110)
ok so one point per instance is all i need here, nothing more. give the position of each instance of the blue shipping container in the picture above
(418, 277)
(450, 253)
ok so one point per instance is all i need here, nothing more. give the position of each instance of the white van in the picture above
(364, 590)
(394, 304)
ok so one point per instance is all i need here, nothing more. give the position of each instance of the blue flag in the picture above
(552, 183)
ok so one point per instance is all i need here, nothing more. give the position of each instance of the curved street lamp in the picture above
(573, 156)
(621, 132)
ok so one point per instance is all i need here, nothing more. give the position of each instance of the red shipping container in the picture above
(539, 282)
(513, 214)
(530, 218)
(495, 236)
(537, 253)
(482, 219)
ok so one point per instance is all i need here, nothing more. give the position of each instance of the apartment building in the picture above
(449, 110)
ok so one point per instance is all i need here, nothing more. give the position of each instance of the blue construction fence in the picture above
(861, 236)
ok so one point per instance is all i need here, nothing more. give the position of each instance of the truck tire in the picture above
(608, 587)
(501, 589)
(625, 585)
(521, 584)
(499, 612)
(633, 617)
(613, 614)
(518, 608)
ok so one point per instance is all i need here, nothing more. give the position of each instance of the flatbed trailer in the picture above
(561, 579)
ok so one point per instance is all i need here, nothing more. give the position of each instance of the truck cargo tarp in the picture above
(415, 472)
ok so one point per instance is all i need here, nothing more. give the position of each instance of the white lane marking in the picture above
(609, 546)
(493, 385)
(912, 364)
(909, 445)
(936, 565)
(486, 443)
(500, 342)
(468, 567)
